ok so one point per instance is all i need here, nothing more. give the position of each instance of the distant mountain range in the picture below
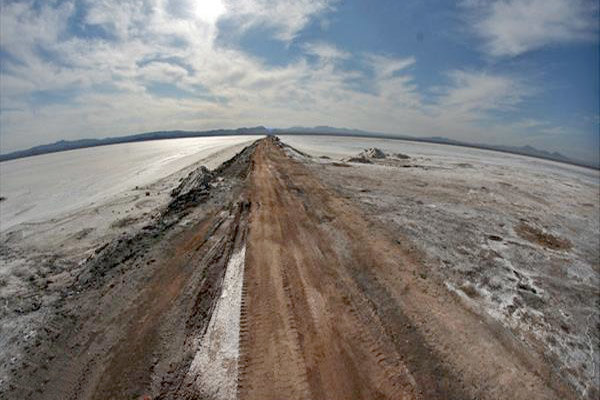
(522, 150)
(63, 145)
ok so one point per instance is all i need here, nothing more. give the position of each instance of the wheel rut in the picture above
(333, 308)
(259, 282)
(304, 334)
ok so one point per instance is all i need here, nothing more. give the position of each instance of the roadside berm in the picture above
(259, 281)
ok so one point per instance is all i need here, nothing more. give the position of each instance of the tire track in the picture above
(333, 309)
(266, 319)
(128, 324)
(297, 318)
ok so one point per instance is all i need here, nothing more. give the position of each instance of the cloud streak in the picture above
(284, 17)
(152, 66)
(514, 27)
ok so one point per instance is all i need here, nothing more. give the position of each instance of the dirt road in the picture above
(336, 309)
(127, 326)
(332, 306)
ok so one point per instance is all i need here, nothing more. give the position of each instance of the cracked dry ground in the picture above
(333, 307)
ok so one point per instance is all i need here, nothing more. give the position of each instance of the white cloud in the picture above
(386, 67)
(513, 27)
(325, 51)
(287, 18)
(156, 43)
(477, 92)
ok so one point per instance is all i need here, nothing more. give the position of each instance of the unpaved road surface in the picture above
(331, 306)
(336, 309)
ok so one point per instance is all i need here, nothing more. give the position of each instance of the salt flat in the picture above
(41, 187)
(338, 147)
(411, 271)
(517, 238)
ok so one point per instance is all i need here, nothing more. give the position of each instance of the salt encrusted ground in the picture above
(214, 370)
(282, 274)
(467, 209)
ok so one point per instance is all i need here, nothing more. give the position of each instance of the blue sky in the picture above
(510, 72)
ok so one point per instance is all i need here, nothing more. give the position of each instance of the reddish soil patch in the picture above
(542, 238)
(334, 308)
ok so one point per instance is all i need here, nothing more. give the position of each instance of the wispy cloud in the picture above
(81, 69)
(287, 18)
(386, 67)
(513, 27)
(325, 51)
(476, 92)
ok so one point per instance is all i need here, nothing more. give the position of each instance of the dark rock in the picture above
(358, 160)
(373, 152)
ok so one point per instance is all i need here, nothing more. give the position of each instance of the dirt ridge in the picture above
(117, 330)
(336, 309)
(332, 307)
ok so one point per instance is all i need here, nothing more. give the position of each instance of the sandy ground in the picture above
(516, 238)
(280, 275)
(337, 308)
(41, 262)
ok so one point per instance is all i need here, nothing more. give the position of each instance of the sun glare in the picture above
(209, 10)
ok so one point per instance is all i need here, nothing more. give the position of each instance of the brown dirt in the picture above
(127, 328)
(542, 238)
(333, 308)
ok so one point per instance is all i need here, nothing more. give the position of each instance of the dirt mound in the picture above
(197, 179)
(373, 152)
(126, 323)
(366, 156)
(362, 160)
(238, 165)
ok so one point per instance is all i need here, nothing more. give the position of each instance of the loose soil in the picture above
(335, 308)
(332, 306)
(542, 238)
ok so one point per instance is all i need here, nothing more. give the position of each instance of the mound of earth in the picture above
(373, 152)
(264, 279)
(358, 160)
(197, 179)
(367, 155)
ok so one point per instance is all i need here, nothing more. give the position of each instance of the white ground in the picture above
(449, 200)
(438, 155)
(94, 214)
(70, 208)
(65, 214)
(41, 187)
(214, 369)
(60, 206)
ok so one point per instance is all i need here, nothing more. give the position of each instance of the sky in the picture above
(512, 72)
